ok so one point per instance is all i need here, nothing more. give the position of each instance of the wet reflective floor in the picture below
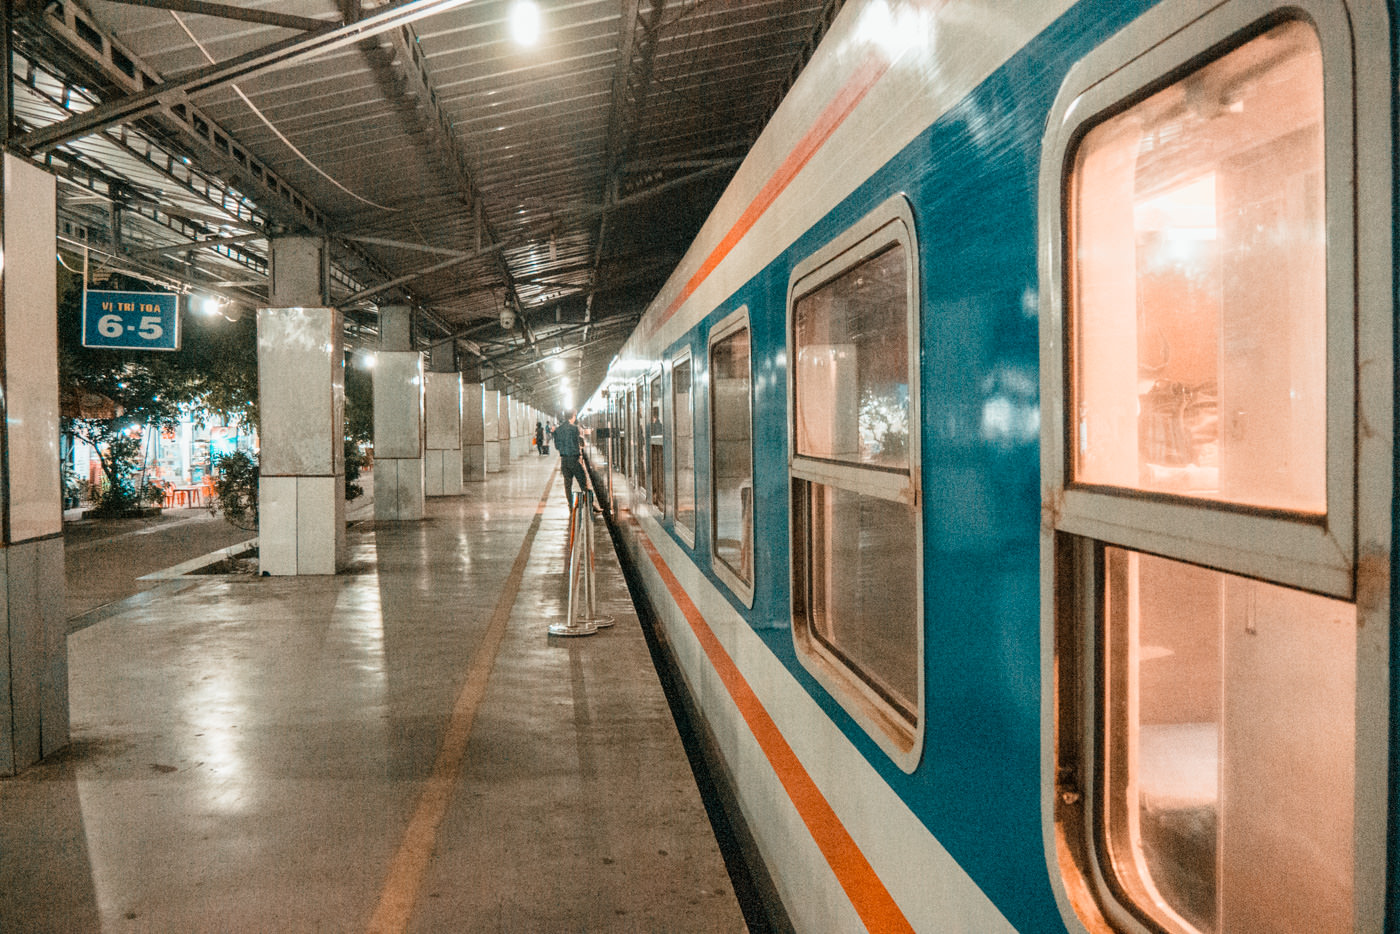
(401, 747)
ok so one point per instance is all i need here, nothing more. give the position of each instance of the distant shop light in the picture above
(525, 22)
(367, 359)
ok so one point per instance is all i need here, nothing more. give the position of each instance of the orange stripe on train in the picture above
(835, 114)
(868, 895)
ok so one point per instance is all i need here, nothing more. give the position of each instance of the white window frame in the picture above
(634, 393)
(728, 326)
(1345, 554)
(685, 532)
(889, 224)
(658, 374)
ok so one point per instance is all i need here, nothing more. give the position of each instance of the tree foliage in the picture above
(214, 371)
(236, 489)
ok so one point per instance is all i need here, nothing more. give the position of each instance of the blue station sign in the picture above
(131, 320)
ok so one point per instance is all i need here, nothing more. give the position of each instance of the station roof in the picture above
(450, 166)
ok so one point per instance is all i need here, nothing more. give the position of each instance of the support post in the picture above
(301, 397)
(33, 627)
(503, 428)
(398, 419)
(473, 432)
(491, 428)
(442, 458)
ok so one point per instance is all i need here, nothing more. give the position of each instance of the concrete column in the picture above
(491, 429)
(398, 419)
(519, 437)
(33, 626)
(301, 398)
(442, 460)
(503, 429)
(473, 433)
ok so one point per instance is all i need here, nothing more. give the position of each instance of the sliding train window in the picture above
(1207, 616)
(635, 404)
(857, 569)
(731, 454)
(656, 446)
(683, 431)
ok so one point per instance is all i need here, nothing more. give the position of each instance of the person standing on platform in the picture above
(570, 445)
(540, 447)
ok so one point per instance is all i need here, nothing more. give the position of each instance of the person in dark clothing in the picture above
(540, 447)
(570, 445)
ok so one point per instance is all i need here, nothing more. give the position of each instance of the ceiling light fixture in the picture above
(525, 25)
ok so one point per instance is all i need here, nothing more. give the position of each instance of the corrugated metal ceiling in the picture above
(562, 180)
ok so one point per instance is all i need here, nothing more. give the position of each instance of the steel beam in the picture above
(252, 63)
(436, 267)
(405, 245)
(443, 142)
(224, 11)
(195, 245)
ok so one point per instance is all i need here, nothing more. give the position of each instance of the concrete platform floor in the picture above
(401, 747)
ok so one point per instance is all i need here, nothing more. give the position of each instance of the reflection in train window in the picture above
(683, 429)
(656, 453)
(1228, 759)
(731, 456)
(856, 600)
(852, 372)
(1216, 744)
(639, 435)
(1199, 281)
(856, 545)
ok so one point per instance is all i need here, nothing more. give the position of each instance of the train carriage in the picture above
(1009, 465)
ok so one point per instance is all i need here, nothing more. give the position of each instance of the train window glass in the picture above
(858, 600)
(1228, 758)
(852, 368)
(683, 429)
(1199, 284)
(731, 454)
(857, 597)
(634, 400)
(656, 447)
(1213, 520)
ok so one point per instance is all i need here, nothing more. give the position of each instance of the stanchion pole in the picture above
(590, 566)
(578, 558)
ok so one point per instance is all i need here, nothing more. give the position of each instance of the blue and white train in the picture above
(1010, 464)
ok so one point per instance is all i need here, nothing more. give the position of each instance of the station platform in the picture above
(400, 747)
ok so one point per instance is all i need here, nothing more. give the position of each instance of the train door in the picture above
(1216, 557)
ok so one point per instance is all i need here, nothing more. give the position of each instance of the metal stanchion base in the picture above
(579, 627)
(601, 622)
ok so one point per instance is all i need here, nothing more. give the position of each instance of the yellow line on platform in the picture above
(405, 878)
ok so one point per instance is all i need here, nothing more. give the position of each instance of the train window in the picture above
(1205, 615)
(682, 422)
(1227, 749)
(857, 598)
(731, 454)
(634, 403)
(1199, 285)
(656, 447)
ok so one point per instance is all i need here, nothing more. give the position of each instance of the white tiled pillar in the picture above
(503, 428)
(520, 438)
(33, 627)
(442, 459)
(473, 433)
(301, 399)
(398, 419)
(491, 428)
